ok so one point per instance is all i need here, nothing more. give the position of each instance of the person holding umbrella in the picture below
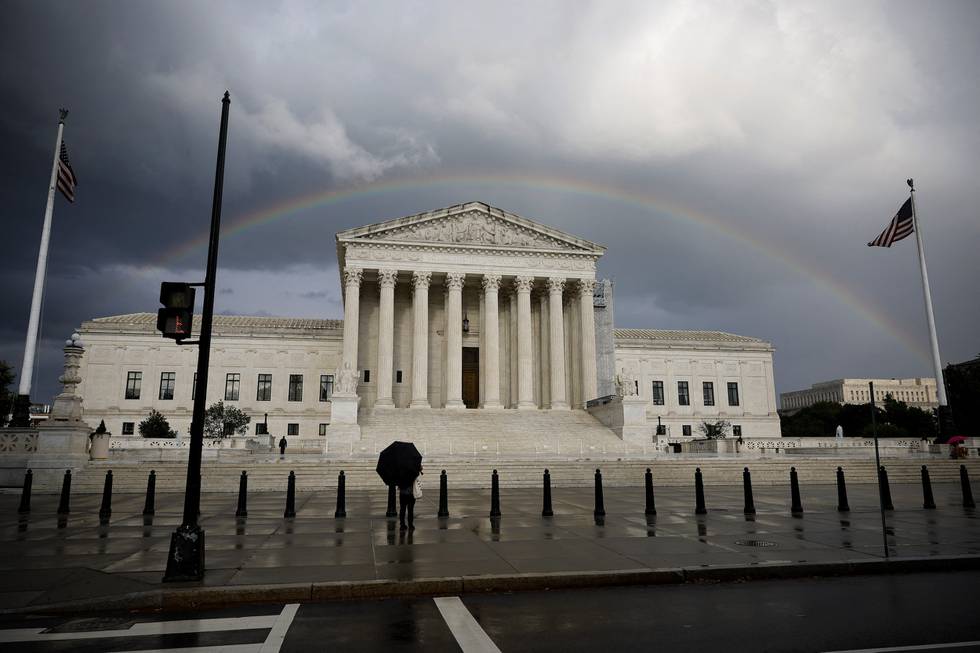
(400, 464)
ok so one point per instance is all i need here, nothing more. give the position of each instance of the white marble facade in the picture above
(468, 307)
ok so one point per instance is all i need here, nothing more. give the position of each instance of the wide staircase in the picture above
(508, 433)
(316, 473)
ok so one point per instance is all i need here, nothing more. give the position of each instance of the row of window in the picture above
(684, 395)
(292, 428)
(233, 382)
(736, 430)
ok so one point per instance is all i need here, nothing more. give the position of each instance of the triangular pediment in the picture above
(471, 224)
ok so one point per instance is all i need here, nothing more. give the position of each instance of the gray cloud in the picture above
(734, 157)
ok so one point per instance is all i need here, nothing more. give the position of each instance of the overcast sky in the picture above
(734, 157)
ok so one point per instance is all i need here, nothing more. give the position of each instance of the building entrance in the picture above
(471, 377)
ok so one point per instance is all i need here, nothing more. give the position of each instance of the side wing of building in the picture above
(690, 377)
(280, 367)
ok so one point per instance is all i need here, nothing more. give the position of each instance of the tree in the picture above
(221, 421)
(156, 426)
(716, 430)
(6, 399)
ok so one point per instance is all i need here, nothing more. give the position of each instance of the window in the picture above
(709, 393)
(367, 376)
(194, 388)
(167, 380)
(398, 376)
(292, 429)
(683, 398)
(295, 387)
(233, 382)
(323, 429)
(686, 429)
(737, 430)
(128, 428)
(326, 387)
(133, 382)
(658, 393)
(260, 428)
(732, 394)
(264, 391)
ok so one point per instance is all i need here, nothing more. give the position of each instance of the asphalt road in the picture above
(914, 612)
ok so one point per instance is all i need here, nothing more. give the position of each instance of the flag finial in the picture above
(62, 114)
(911, 185)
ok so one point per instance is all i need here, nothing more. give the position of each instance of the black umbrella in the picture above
(399, 464)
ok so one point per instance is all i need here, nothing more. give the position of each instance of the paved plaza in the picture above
(44, 562)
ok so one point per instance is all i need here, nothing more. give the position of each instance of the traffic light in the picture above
(174, 320)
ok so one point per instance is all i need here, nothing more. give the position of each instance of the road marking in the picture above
(142, 629)
(227, 648)
(919, 647)
(278, 633)
(470, 637)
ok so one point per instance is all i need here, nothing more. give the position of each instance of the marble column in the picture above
(543, 299)
(352, 312)
(525, 367)
(420, 340)
(386, 336)
(558, 395)
(586, 287)
(491, 341)
(512, 349)
(454, 340)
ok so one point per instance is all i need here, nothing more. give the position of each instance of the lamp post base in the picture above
(185, 561)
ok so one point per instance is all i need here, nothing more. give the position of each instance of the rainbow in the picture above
(584, 188)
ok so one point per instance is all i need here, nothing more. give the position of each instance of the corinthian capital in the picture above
(556, 284)
(387, 278)
(586, 287)
(352, 276)
(491, 282)
(455, 280)
(421, 279)
(523, 284)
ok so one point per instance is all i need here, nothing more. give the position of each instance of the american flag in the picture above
(66, 176)
(899, 228)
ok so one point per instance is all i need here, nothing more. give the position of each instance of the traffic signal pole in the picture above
(185, 562)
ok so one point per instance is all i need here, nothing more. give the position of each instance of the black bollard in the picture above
(967, 490)
(928, 503)
(842, 505)
(25, 494)
(747, 491)
(600, 508)
(699, 508)
(341, 510)
(443, 495)
(391, 511)
(151, 493)
(886, 492)
(546, 510)
(290, 496)
(105, 511)
(494, 495)
(242, 509)
(794, 491)
(651, 507)
(63, 504)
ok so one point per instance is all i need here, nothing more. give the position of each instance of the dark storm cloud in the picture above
(770, 142)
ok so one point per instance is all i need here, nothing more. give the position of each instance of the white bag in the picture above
(417, 488)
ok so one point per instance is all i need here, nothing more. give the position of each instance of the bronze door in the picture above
(471, 377)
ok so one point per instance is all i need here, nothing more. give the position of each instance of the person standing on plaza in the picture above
(282, 447)
(408, 495)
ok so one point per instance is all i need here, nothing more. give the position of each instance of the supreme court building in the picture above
(468, 308)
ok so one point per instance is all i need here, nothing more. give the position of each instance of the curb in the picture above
(187, 598)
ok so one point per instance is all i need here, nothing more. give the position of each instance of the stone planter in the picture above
(100, 447)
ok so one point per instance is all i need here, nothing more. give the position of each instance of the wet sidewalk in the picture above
(81, 561)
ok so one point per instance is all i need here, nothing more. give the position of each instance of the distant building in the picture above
(918, 392)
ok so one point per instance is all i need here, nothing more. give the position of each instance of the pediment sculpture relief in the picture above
(472, 229)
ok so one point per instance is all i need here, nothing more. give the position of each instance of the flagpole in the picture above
(930, 317)
(30, 346)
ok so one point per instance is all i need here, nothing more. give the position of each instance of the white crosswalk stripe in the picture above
(468, 633)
